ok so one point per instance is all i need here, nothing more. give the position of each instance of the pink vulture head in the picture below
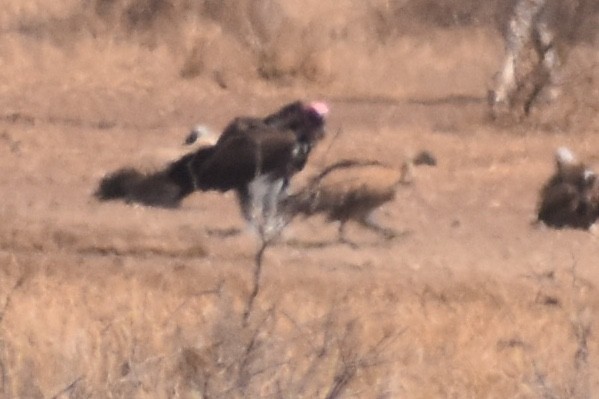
(319, 107)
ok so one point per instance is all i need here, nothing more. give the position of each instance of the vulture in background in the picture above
(570, 198)
(255, 157)
(353, 190)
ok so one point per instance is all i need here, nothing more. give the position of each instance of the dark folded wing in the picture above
(241, 126)
(559, 203)
(242, 157)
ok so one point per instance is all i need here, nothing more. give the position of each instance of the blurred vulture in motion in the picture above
(353, 190)
(255, 157)
(570, 198)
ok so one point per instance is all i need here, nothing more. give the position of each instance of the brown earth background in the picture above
(107, 300)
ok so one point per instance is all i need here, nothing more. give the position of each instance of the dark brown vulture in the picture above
(570, 198)
(353, 190)
(254, 157)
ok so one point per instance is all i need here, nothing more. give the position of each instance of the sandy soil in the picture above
(111, 300)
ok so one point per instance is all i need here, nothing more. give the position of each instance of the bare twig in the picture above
(582, 330)
(256, 281)
(8, 299)
(7, 302)
(352, 360)
(3, 375)
(328, 150)
(301, 331)
(547, 391)
(245, 360)
(341, 380)
(213, 291)
(68, 387)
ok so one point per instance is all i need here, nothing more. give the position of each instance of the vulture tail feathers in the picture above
(165, 188)
(118, 184)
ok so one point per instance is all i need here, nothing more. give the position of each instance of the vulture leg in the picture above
(341, 235)
(245, 203)
(260, 206)
(273, 219)
(370, 223)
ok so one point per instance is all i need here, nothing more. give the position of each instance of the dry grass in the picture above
(131, 322)
(182, 334)
(234, 44)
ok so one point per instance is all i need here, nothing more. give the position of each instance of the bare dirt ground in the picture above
(109, 300)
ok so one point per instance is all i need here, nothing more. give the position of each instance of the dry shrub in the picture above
(280, 356)
(180, 333)
(574, 109)
(157, 336)
(260, 23)
(576, 20)
(255, 23)
(416, 17)
(577, 107)
(347, 47)
(533, 101)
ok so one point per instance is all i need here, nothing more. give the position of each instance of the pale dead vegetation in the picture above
(181, 334)
(242, 45)
(536, 82)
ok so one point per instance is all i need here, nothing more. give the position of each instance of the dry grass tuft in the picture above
(187, 337)
(346, 48)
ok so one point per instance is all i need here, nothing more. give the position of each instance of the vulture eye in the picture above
(191, 138)
(199, 132)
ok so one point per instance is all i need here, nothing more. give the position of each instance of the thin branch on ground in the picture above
(328, 149)
(8, 299)
(258, 260)
(68, 387)
(213, 291)
(582, 330)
